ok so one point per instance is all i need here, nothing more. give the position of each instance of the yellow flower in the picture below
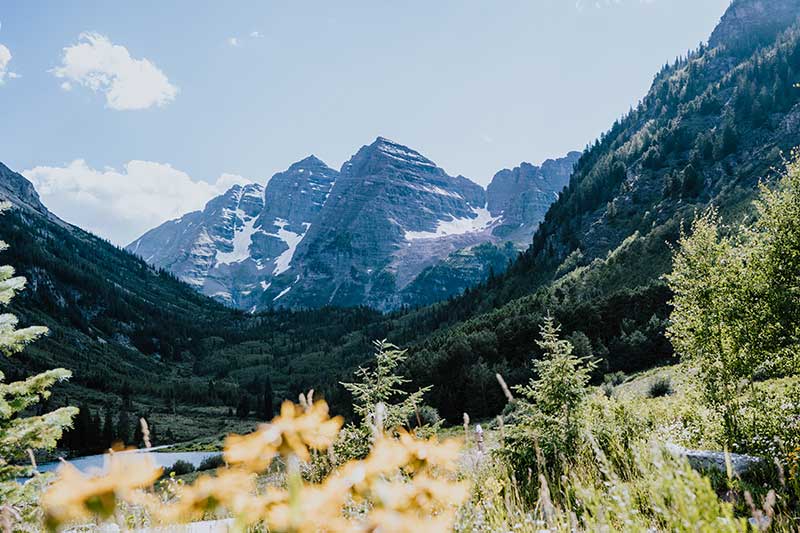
(294, 431)
(75, 496)
(317, 508)
(230, 489)
(389, 521)
(427, 454)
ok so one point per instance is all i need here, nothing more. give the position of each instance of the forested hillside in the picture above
(713, 124)
(139, 341)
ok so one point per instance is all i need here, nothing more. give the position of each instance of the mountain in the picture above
(142, 342)
(20, 193)
(242, 239)
(361, 236)
(712, 126)
(524, 194)
(391, 213)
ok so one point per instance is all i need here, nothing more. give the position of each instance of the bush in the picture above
(428, 416)
(211, 463)
(615, 378)
(659, 387)
(180, 468)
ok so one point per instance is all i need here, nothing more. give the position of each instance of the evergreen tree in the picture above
(269, 400)
(123, 427)
(691, 182)
(243, 408)
(382, 385)
(19, 433)
(138, 436)
(108, 429)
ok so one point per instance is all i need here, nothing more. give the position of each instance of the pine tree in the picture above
(108, 429)
(243, 409)
(382, 385)
(19, 433)
(269, 400)
(123, 427)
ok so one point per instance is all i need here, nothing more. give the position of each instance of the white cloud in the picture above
(234, 41)
(5, 59)
(256, 34)
(120, 205)
(102, 66)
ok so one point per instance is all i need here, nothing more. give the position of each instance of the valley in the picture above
(389, 347)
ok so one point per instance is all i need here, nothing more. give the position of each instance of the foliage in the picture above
(404, 482)
(180, 468)
(549, 426)
(735, 297)
(211, 462)
(21, 434)
(380, 400)
(661, 386)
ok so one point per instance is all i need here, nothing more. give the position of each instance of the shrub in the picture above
(211, 462)
(424, 416)
(180, 468)
(659, 387)
(615, 378)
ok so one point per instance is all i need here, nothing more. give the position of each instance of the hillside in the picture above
(140, 341)
(712, 125)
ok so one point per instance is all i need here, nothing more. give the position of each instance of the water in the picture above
(93, 463)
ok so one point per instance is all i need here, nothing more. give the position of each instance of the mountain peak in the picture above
(310, 161)
(750, 23)
(399, 152)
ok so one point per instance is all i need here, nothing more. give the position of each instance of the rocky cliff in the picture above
(362, 236)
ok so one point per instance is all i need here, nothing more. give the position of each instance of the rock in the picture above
(710, 460)
(390, 229)
(523, 195)
(749, 23)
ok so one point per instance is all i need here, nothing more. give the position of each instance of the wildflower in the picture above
(75, 496)
(294, 431)
(229, 489)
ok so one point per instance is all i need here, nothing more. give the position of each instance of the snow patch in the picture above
(265, 285)
(456, 226)
(436, 190)
(241, 241)
(282, 293)
(291, 239)
(222, 294)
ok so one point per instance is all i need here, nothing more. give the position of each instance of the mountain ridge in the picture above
(405, 213)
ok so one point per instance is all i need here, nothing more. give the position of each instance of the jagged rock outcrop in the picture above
(361, 236)
(20, 193)
(749, 23)
(523, 195)
(244, 238)
(391, 213)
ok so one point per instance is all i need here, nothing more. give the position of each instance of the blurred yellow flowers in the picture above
(294, 431)
(75, 496)
(405, 484)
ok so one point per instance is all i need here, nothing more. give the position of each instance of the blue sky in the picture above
(127, 114)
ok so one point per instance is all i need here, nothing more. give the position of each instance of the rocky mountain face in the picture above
(362, 236)
(244, 238)
(19, 192)
(523, 195)
(749, 23)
